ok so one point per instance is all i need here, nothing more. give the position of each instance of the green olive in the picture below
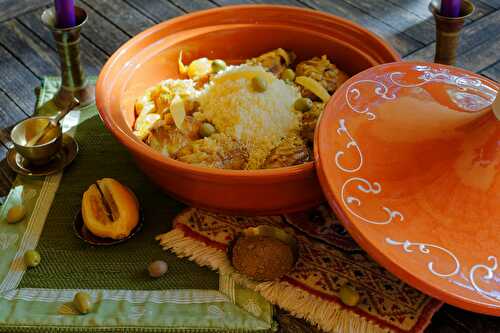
(349, 295)
(32, 258)
(288, 74)
(303, 104)
(82, 302)
(157, 268)
(218, 65)
(207, 129)
(16, 214)
(259, 84)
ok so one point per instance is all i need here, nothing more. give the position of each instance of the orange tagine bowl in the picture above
(231, 33)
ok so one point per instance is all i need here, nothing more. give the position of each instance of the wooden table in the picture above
(28, 52)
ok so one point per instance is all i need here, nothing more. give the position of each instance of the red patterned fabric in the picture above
(326, 262)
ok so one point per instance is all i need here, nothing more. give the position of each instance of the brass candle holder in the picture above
(73, 80)
(448, 31)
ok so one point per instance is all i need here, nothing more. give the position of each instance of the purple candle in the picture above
(450, 8)
(65, 13)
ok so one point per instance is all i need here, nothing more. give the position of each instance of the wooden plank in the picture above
(193, 5)
(480, 57)
(282, 2)
(12, 8)
(121, 14)
(492, 3)
(101, 32)
(472, 36)
(402, 43)
(417, 7)
(454, 320)
(398, 18)
(7, 176)
(423, 54)
(10, 114)
(157, 10)
(232, 2)
(37, 56)
(92, 57)
(17, 82)
(291, 324)
(482, 9)
(421, 8)
(493, 72)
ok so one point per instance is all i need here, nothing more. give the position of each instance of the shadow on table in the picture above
(7, 176)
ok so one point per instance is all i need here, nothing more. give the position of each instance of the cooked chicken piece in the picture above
(217, 151)
(275, 61)
(168, 139)
(153, 107)
(323, 71)
(309, 120)
(191, 106)
(291, 151)
(191, 128)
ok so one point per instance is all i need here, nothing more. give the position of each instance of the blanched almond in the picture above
(314, 86)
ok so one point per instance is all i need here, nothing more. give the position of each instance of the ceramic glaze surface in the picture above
(409, 158)
(231, 33)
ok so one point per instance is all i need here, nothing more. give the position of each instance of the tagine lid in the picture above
(408, 156)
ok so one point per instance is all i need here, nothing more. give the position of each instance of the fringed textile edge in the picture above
(328, 316)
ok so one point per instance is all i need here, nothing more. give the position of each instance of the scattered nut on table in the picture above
(16, 214)
(157, 268)
(32, 258)
(82, 302)
(349, 295)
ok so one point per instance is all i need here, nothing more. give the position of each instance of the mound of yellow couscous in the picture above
(259, 114)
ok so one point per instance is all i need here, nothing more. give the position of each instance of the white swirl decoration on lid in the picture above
(350, 144)
(366, 187)
(480, 95)
(490, 275)
(353, 95)
(472, 94)
(425, 249)
(442, 75)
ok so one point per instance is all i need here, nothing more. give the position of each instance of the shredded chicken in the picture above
(321, 70)
(168, 139)
(170, 115)
(217, 151)
(291, 151)
(309, 120)
(275, 61)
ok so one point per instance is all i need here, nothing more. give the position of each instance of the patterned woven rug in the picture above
(322, 224)
(311, 291)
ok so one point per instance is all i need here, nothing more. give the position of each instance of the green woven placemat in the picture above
(187, 299)
(70, 263)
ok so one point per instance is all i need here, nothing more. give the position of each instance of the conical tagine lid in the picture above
(408, 155)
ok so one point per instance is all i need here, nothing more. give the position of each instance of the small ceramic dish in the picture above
(58, 162)
(37, 154)
(85, 235)
(272, 232)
